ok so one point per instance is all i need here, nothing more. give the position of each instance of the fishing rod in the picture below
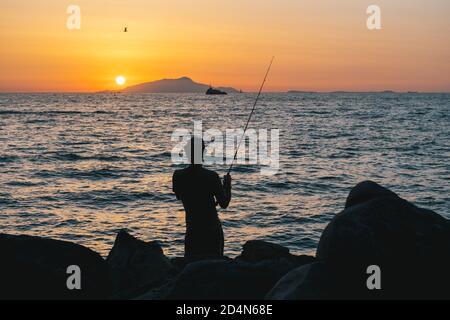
(250, 116)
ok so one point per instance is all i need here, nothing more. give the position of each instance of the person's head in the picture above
(194, 150)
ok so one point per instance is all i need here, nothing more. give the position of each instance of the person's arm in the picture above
(175, 185)
(223, 192)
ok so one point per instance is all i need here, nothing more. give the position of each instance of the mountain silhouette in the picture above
(180, 85)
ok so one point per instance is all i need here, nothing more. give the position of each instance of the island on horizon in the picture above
(178, 85)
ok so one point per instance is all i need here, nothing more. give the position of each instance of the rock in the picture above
(272, 256)
(219, 279)
(384, 227)
(310, 281)
(137, 266)
(181, 262)
(365, 191)
(36, 268)
(281, 266)
(410, 244)
(257, 250)
(159, 292)
(178, 262)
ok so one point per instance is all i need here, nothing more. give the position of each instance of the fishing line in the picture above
(250, 116)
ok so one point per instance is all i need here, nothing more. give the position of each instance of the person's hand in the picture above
(227, 180)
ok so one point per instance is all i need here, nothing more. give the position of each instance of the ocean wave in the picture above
(112, 196)
(69, 156)
(7, 200)
(165, 155)
(8, 158)
(334, 178)
(33, 121)
(246, 168)
(95, 174)
(23, 183)
(281, 185)
(51, 112)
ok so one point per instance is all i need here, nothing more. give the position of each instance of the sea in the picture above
(80, 167)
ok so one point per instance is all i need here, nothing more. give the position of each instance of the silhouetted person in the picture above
(201, 190)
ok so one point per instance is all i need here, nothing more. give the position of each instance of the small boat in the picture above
(214, 91)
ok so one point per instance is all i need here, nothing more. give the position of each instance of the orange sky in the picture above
(319, 45)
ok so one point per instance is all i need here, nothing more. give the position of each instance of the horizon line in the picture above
(285, 91)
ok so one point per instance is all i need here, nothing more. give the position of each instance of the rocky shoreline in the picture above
(409, 245)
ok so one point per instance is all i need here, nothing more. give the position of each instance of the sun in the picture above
(120, 80)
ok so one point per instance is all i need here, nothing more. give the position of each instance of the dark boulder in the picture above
(137, 266)
(365, 191)
(312, 281)
(36, 268)
(280, 267)
(219, 279)
(181, 262)
(272, 256)
(159, 292)
(257, 250)
(411, 246)
(384, 228)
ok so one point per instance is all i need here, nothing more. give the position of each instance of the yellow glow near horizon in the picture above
(120, 80)
(318, 45)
